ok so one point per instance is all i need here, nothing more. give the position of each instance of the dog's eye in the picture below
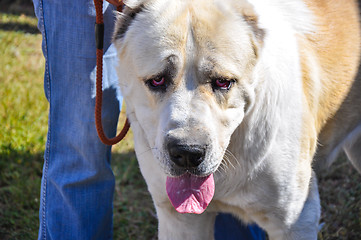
(157, 83)
(222, 84)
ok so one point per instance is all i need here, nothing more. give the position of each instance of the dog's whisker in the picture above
(221, 169)
(223, 165)
(229, 162)
(230, 159)
(231, 154)
(236, 161)
(146, 151)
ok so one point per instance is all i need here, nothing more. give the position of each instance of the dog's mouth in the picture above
(190, 193)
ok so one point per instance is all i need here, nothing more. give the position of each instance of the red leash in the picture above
(99, 35)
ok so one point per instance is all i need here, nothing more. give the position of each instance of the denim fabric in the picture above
(78, 183)
(228, 228)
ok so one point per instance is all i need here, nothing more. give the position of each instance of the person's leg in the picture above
(229, 228)
(78, 183)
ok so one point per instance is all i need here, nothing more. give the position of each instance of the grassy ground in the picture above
(23, 121)
(340, 191)
(23, 127)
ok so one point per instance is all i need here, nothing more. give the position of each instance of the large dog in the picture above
(231, 102)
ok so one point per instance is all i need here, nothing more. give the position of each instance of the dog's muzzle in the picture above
(186, 156)
(185, 153)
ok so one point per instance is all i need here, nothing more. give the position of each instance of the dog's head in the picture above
(186, 71)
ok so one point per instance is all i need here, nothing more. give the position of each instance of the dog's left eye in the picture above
(222, 84)
(158, 83)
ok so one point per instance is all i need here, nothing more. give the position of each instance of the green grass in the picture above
(23, 121)
(23, 124)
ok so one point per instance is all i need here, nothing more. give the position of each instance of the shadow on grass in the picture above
(20, 179)
(20, 174)
(340, 191)
(17, 7)
(19, 27)
(17, 18)
(134, 213)
(20, 9)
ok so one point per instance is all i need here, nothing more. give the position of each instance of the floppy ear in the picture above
(258, 32)
(250, 16)
(125, 18)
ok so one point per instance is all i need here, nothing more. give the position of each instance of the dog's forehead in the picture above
(203, 19)
(197, 32)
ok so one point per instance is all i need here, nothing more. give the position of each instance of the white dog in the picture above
(230, 102)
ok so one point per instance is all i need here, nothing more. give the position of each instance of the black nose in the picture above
(186, 156)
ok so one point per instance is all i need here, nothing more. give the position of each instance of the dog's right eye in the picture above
(222, 84)
(157, 83)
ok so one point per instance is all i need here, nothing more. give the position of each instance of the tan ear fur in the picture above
(249, 14)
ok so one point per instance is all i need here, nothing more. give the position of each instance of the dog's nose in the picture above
(186, 156)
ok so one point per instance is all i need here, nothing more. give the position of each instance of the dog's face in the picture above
(186, 70)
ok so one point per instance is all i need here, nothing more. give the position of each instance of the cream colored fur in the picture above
(293, 62)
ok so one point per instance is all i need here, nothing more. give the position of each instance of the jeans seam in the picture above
(47, 152)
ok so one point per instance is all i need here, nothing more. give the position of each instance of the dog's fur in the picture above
(295, 98)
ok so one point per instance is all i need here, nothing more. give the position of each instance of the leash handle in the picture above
(99, 38)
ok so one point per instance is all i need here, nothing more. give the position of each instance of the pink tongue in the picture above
(189, 193)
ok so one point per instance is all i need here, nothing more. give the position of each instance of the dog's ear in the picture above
(258, 32)
(125, 18)
(134, 3)
(250, 16)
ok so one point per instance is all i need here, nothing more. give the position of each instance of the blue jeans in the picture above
(78, 183)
